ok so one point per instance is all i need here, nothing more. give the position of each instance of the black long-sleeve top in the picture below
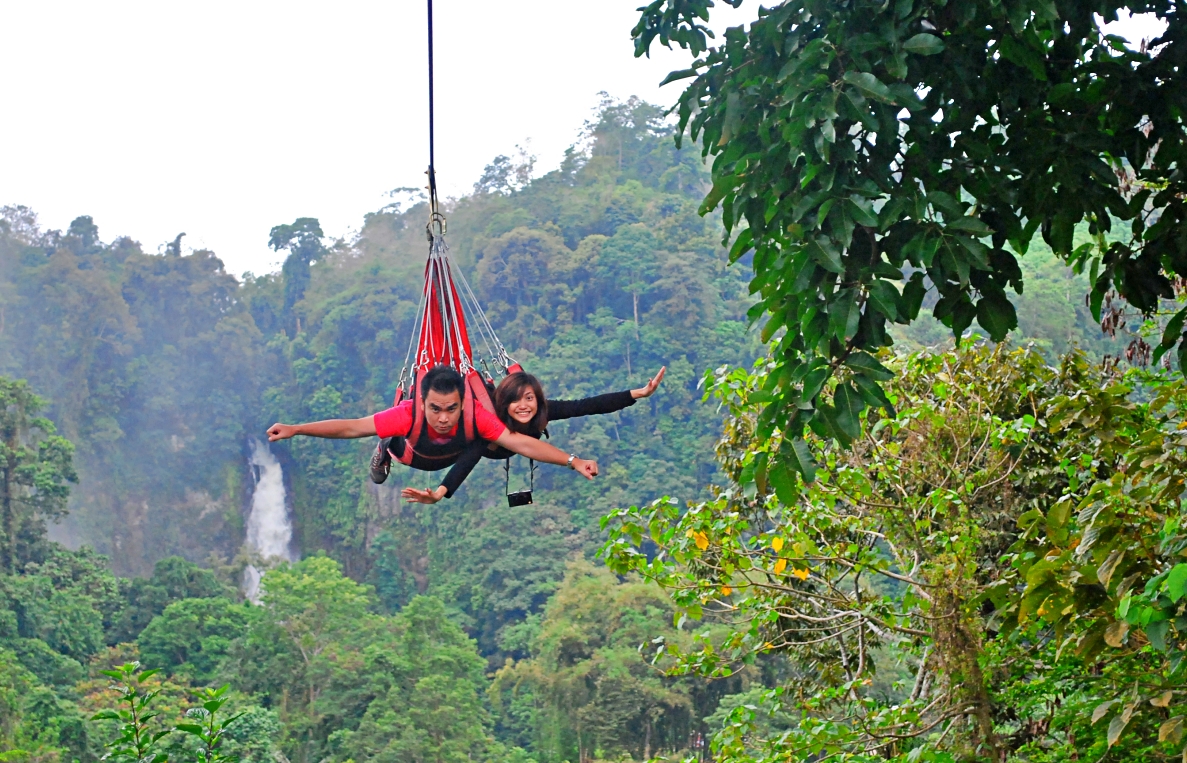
(557, 410)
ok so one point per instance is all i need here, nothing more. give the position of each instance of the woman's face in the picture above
(524, 409)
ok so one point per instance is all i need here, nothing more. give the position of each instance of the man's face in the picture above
(443, 411)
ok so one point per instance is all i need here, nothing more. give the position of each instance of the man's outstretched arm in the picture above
(334, 429)
(545, 453)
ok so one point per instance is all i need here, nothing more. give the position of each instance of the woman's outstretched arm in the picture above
(454, 478)
(600, 404)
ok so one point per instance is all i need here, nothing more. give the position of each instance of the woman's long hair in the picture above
(513, 388)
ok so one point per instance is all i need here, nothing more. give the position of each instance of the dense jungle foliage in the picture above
(912, 603)
(869, 154)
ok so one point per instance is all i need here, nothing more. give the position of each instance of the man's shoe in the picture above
(381, 463)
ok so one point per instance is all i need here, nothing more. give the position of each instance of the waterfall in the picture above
(269, 528)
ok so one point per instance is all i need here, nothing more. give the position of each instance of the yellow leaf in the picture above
(1172, 730)
(1118, 724)
(701, 539)
(1163, 700)
(726, 590)
(801, 574)
(1115, 633)
(1102, 709)
(777, 544)
(780, 566)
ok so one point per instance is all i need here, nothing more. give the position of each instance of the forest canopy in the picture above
(984, 568)
(868, 154)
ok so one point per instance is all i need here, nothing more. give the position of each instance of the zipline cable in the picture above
(432, 155)
(441, 333)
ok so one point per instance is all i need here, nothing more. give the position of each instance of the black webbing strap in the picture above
(507, 475)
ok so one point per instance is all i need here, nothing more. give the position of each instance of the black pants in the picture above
(397, 445)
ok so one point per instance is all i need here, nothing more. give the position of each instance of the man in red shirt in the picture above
(442, 441)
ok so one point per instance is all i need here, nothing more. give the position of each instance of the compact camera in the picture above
(521, 498)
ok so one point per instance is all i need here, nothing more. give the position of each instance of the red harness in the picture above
(444, 338)
(476, 390)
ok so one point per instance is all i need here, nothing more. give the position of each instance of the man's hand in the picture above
(587, 469)
(414, 495)
(334, 429)
(281, 432)
(648, 389)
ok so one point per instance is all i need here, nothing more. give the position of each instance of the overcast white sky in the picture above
(222, 119)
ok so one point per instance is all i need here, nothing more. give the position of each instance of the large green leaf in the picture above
(969, 225)
(869, 365)
(1176, 582)
(885, 299)
(844, 315)
(924, 44)
(799, 455)
(997, 316)
(869, 86)
(849, 404)
(873, 394)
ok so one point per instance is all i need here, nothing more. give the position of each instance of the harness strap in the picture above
(418, 410)
(480, 394)
(476, 390)
(507, 475)
(410, 454)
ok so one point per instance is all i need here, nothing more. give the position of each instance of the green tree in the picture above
(428, 686)
(36, 467)
(588, 685)
(34, 723)
(253, 737)
(311, 618)
(628, 262)
(173, 579)
(303, 240)
(942, 547)
(869, 153)
(65, 599)
(193, 636)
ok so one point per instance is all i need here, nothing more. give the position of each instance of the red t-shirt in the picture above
(397, 422)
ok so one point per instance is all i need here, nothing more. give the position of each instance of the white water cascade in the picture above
(269, 528)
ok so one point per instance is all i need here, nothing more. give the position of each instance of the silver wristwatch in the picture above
(569, 463)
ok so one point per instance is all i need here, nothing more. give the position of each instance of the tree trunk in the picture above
(9, 514)
(635, 294)
(647, 740)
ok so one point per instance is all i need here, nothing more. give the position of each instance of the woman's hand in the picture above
(651, 386)
(587, 469)
(413, 495)
(281, 432)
